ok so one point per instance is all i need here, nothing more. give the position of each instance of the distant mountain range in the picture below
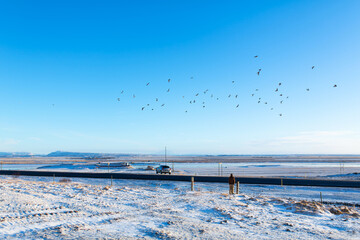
(86, 155)
(64, 154)
(15, 154)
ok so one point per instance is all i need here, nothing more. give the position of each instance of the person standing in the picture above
(231, 184)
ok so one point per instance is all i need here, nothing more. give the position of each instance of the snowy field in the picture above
(38, 208)
(345, 170)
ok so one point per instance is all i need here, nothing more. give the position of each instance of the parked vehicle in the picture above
(163, 169)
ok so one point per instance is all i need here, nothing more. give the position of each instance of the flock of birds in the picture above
(196, 98)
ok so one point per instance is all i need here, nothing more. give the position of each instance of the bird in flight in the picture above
(168, 90)
(281, 101)
(335, 85)
(142, 108)
(256, 89)
(163, 104)
(118, 99)
(196, 94)
(133, 95)
(237, 106)
(258, 73)
(233, 81)
(280, 114)
(252, 95)
(256, 56)
(229, 95)
(279, 84)
(308, 89)
(281, 95)
(122, 91)
(147, 84)
(157, 99)
(236, 96)
(191, 77)
(276, 89)
(169, 80)
(312, 67)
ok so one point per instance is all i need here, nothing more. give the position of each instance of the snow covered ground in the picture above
(266, 169)
(38, 208)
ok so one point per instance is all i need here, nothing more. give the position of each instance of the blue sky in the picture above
(63, 64)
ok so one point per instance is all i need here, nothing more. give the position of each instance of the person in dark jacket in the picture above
(231, 184)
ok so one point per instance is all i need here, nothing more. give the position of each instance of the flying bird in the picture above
(191, 77)
(229, 95)
(335, 85)
(168, 90)
(118, 99)
(280, 114)
(237, 106)
(308, 89)
(133, 95)
(256, 89)
(122, 91)
(281, 101)
(252, 95)
(147, 84)
(233, 81)
(256, 56)
(163, 104)
(312, 67)
(276, 89)
(280, 95)
(236, 96)
(279, 84)
(196, 94)
(169, 80)
(142, 108)
(157, 99)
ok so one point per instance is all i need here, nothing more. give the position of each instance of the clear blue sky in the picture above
(63, 64)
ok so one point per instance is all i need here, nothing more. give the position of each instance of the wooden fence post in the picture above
(192, 183)
(237, 187)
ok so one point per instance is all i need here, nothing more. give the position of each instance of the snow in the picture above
(38, 208)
